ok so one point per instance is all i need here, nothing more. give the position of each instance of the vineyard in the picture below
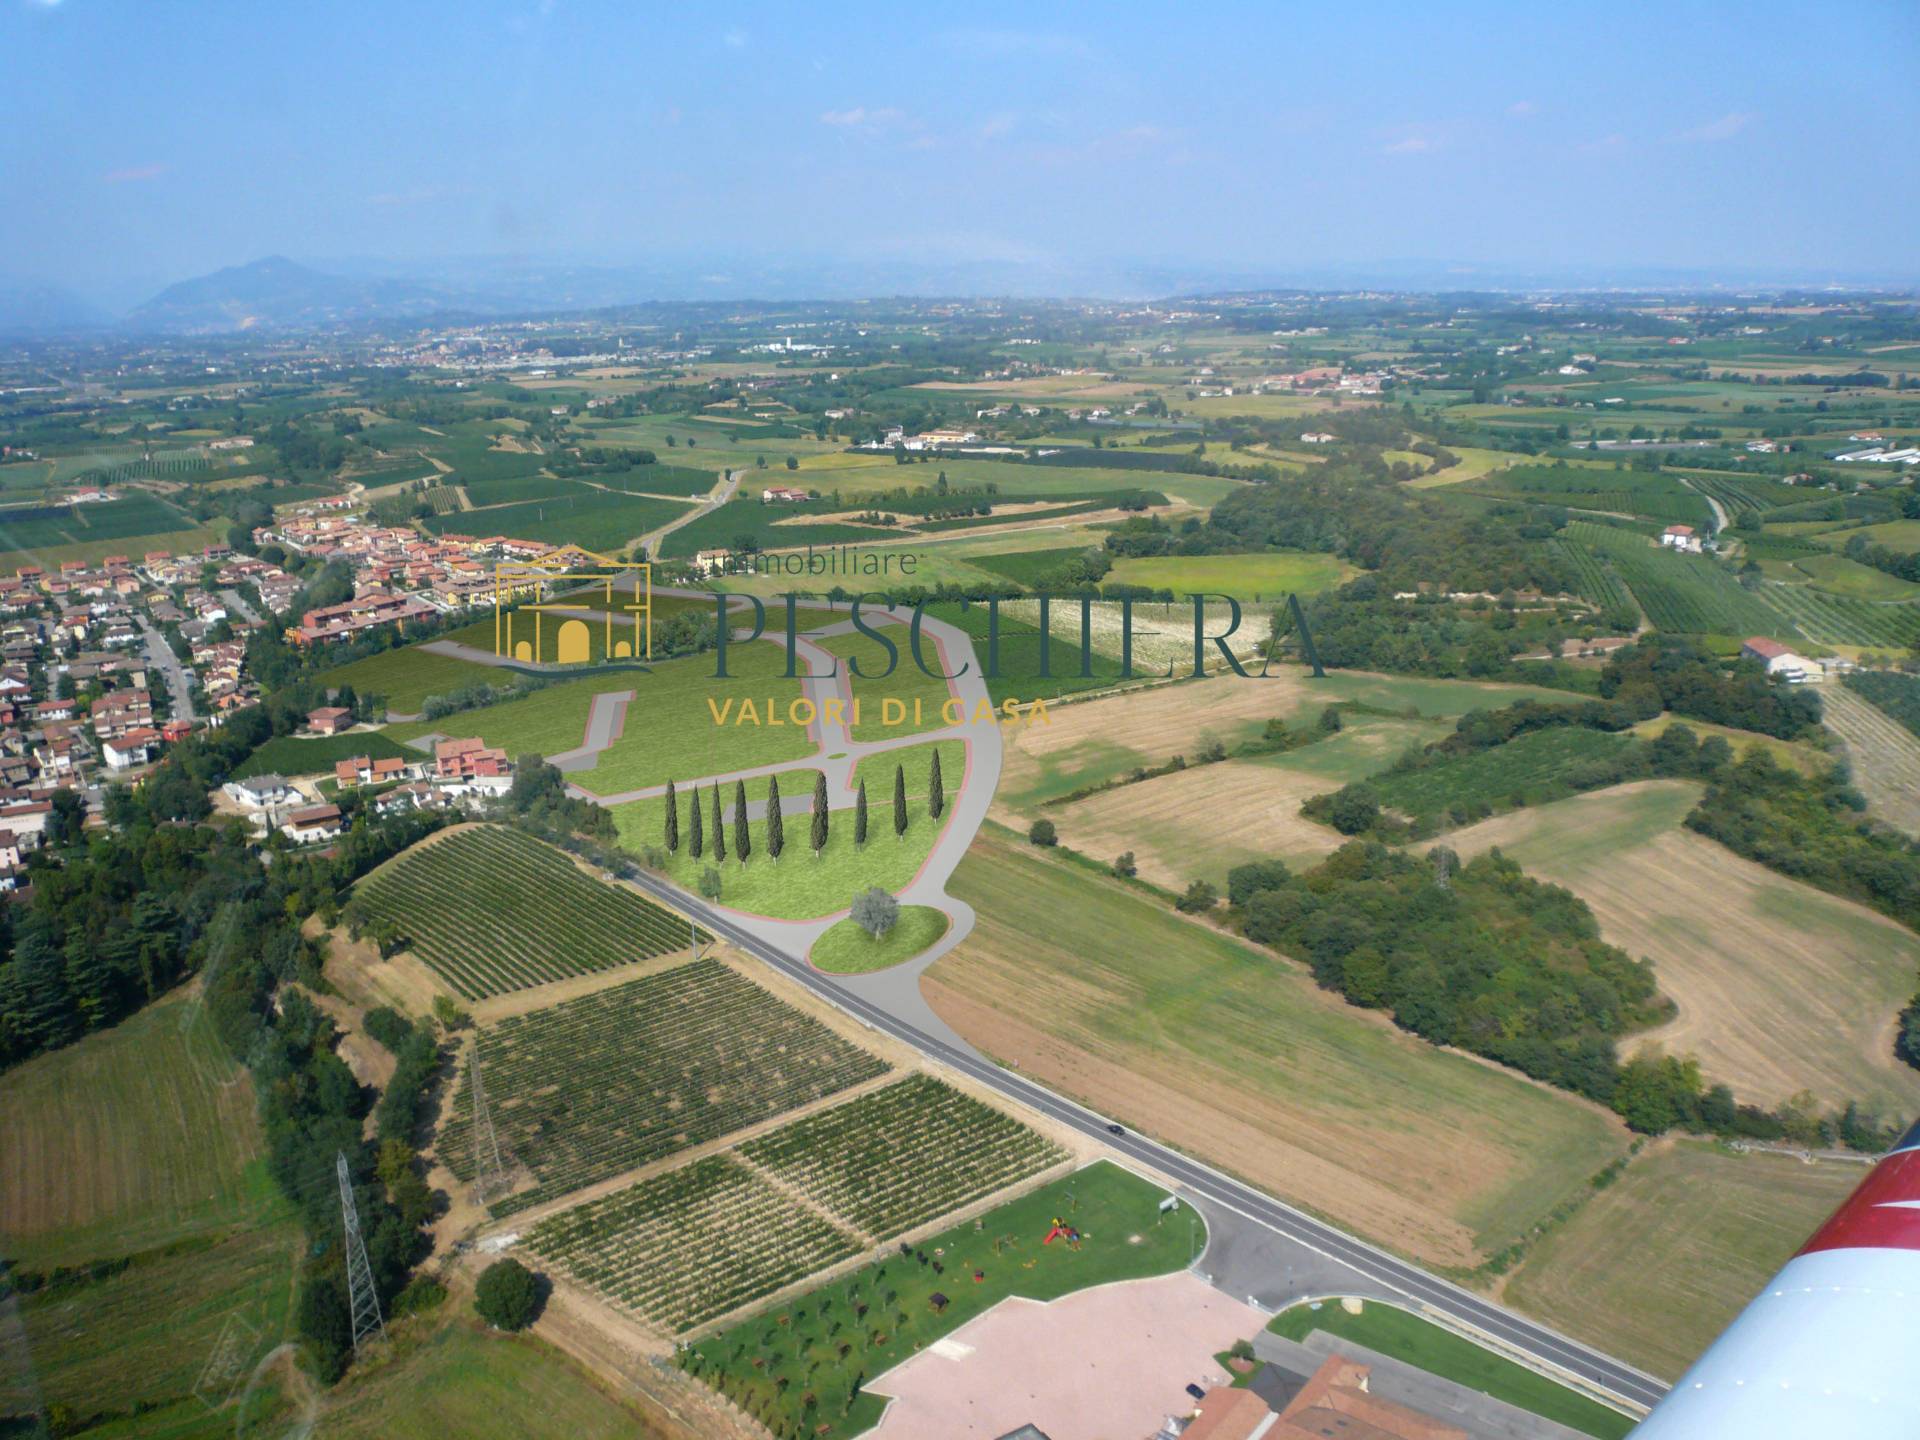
(588, 1088)
(1844, 620)
(442, 499)
(902, 1156)
(491, 911)
(1744, 496)
(1688, 594)
(1622, 491)
(1594, 578)
(694, 1243)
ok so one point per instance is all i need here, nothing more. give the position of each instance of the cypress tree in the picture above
(673, 818)
(742, 837)
(860, 815)
(936, 789)
(696, 839)
(899, 801)
(819, 812)
(719, 826)
(776, 827)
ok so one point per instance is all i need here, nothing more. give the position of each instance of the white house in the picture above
(1316, 437)
(135, 747)
(257, 792)
(1681, 537)
(314, 824)
(1778, 659)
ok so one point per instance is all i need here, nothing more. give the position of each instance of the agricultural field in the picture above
(687, 1246)
(595, 1086)
(491, 911)
(601, 520)
(1181, 1031)
(1842, 620)
(1684, 593)
(1621, 491)
(1840, 576)
(167, 1183)
(96, 1161)
(1268, 576)
(1595, 578)
(293, 755)
(462, 1378)
(1895, 694)
(1091, 742)
(1780, 987)
(1885, 754)
(1524, 771)
(902, 1156)
(803, 1363)
(1656, 1264)
(405, 678)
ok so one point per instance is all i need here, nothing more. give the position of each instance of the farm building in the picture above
(329, 720)
(1681, 537)
(1778, 659)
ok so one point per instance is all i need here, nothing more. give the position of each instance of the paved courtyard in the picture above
(1103, 1364)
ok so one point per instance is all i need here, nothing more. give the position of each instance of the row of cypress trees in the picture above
(702, 834)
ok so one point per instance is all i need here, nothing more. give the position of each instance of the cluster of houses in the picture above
(464, 773)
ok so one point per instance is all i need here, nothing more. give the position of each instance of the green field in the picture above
(783, 1356)
(1395, 1332)
(455, 1377)
(1267, 576)
(600, 520)
(100, 1163)
(291, 755)
(846, 949)
(1685, 593)
(797, 886)
(1655, 1265)
(405, 678)
(1180, 1030)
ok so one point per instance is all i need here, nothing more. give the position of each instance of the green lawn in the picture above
(407, 677)
(546, 722)
(917, 761)
(674, 727)
(1269, 576)
(291, 755)
(904, 701)
(798, 886)
(846, 949)
(1441, 1352)
(800, 1343)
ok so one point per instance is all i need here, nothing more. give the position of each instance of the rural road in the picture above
(1201, 1181)
(718, 496)
(891, 1001)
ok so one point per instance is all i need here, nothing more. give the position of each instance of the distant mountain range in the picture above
(278, 294)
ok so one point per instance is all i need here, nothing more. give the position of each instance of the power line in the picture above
(489, 1174)
(363, 1303)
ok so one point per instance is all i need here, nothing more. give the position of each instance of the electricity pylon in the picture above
(362, 1301)
(489, 1173)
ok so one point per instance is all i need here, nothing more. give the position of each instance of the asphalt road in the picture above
(1201, 1180)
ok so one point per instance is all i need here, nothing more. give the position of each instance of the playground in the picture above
(808, 1362)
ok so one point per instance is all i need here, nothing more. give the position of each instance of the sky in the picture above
(151, 142)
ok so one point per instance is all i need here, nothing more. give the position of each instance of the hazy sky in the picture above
(151, 141)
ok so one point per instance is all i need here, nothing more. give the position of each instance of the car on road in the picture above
(1116, 1129)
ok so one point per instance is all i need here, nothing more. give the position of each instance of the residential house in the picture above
(1681, 537)
(1778, 659)
(314, 824)
(330, 720)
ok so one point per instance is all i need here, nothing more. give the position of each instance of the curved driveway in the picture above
(891, 1001)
